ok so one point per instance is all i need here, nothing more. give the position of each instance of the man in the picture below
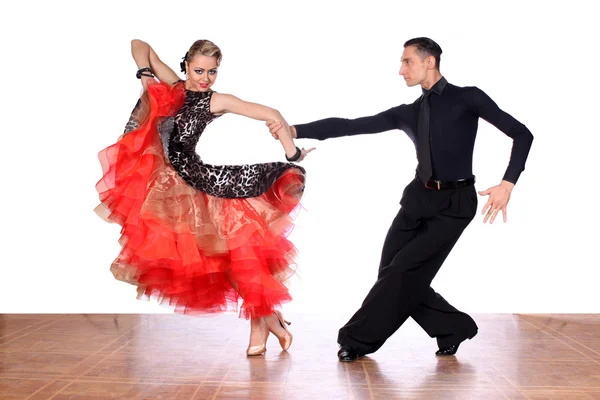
(436, 206)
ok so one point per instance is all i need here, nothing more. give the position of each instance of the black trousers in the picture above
(426, 228)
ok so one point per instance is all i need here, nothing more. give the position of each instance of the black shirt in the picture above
(455, 112)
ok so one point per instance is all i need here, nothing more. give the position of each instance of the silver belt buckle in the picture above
(436, 186)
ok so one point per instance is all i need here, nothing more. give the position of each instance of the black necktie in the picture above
(424, 168)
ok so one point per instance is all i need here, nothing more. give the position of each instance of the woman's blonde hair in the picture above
(204, 48)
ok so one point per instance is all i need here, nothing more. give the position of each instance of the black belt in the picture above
(442, 185)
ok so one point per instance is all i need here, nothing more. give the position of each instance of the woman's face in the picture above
(201, 72)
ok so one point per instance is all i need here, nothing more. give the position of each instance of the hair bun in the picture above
(182, 64)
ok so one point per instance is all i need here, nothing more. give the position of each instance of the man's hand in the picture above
(499, 197)
(275, 126)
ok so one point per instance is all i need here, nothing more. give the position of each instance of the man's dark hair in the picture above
(426, 47)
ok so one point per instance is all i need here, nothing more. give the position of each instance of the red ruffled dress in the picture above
(194, 235)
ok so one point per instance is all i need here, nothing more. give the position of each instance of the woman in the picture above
(199, 236)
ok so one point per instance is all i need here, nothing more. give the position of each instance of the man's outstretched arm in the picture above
(329, 128)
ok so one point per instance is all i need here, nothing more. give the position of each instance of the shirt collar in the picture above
(438, 87)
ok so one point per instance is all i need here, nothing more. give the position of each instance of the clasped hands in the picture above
(276, 129)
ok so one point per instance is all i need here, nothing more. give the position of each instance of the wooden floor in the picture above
(179, 357)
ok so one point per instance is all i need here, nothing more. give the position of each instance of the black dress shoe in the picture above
(452, 349)
(448, 351)
(347, 354)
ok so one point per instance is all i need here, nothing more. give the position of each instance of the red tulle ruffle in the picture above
(193, 251)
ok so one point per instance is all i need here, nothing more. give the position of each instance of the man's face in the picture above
(413, 69)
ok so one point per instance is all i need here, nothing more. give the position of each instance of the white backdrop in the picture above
(69, 86)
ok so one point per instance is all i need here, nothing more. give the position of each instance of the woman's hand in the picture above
(285, 136)
(275, 126)
(304, 153)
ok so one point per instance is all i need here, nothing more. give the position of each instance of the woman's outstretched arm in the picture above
(226, 103)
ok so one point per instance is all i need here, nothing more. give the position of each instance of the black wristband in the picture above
(296, 156)
(140, 73)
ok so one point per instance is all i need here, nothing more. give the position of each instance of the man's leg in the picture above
(403, 283)
(442, 321)
(435, 315)
(403, 228)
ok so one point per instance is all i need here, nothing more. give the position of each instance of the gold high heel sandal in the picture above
(286, 340)
(260, 349)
